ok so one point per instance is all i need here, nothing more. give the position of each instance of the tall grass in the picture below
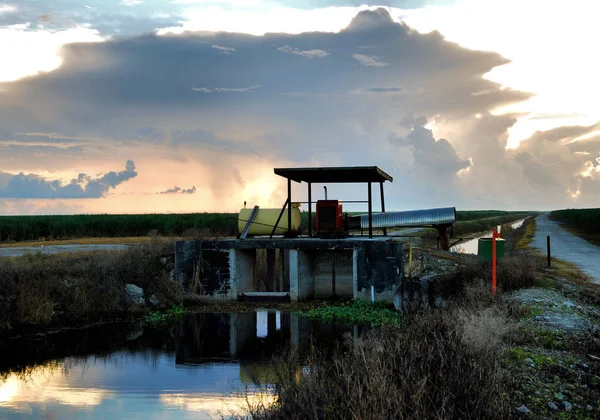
(22, 228)
(587, 220)
(32, 228)
(480, 225)
(42, 290)
(442, 363)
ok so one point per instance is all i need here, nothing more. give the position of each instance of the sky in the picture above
(147, 106)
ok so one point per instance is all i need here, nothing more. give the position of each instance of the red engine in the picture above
(330, 221)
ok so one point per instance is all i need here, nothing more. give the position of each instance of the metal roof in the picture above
(341, 174)
(426, 217)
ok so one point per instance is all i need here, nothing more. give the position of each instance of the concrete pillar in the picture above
(241, 269)
(302, 281)
(271, 283)
(355, 273)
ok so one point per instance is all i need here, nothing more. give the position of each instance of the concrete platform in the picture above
(303, 268)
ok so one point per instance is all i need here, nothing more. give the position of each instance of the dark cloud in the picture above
(178, 190)
(84, 186)
(267, 99)
(436, 156)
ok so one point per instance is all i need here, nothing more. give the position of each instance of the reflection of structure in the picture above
(252, 338)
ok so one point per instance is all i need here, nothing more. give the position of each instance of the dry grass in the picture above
(42, 290)
(82, 241)
(441, 364)
(528, 236)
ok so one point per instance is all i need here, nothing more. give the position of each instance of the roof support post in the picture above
(382, 204)
(289, 188)
(370, 211)
(310, 209)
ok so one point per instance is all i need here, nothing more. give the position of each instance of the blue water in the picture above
(193, 369)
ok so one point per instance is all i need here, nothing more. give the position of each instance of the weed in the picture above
(528, 236)
(157, 318)
(41, 290)
(356, 312)
(437, 366)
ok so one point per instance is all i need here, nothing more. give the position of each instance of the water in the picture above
(471, 246)
(191, 369)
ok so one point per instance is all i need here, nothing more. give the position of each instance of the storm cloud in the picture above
(84, 186)
(178, 190)
(229, 103)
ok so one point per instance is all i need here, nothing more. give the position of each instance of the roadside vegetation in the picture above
(582, 222)
(532, 351)
(40, 291)
(17, 229)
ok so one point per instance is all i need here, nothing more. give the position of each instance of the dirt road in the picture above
(568, 247)
(55, 249)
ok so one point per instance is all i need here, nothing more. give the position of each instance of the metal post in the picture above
(382, 204)
(289, 206)
(494, 236)
(310, 209)
(549, 255)
(370, 212)
(333, 275)
(287, 203)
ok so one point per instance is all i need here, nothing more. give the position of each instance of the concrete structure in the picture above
(291, 269)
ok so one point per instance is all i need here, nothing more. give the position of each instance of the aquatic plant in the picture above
(441, 364)
(356, 312)
(157, 317)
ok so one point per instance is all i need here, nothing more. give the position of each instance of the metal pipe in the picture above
(382, 204)
(309, 209)
(370, 212)
(287, 202)
(289, 188)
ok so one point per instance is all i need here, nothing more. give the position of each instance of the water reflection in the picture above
(187, 370)
(471, 246)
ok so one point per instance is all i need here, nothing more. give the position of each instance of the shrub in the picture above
(40, 290)
(443, 364)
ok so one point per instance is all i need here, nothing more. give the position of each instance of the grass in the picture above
(585, 220)
(440, 364)
(40, 291)
(462, 228)
(36, 229)
(155, 318)
(528, 235)
(356, 312)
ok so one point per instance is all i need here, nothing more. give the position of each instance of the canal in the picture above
(193, 368)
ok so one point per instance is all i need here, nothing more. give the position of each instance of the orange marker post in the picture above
(494, 236)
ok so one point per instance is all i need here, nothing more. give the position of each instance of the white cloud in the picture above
(224, 50)
(303, 53)
(7, 8)
(369, 60)
(225, 89)
(27, 53)
(131, 2)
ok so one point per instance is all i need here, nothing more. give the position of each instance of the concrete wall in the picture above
(227, 268)
(323, 268)
(203, 268)
(378, 264)
(302, 281)
(242, 264)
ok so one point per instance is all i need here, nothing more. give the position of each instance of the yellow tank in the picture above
(266, 219)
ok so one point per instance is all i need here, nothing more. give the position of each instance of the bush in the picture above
(41, 290)
(443, 364)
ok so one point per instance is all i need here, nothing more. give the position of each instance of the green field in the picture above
(586, 220)
(32, 228)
